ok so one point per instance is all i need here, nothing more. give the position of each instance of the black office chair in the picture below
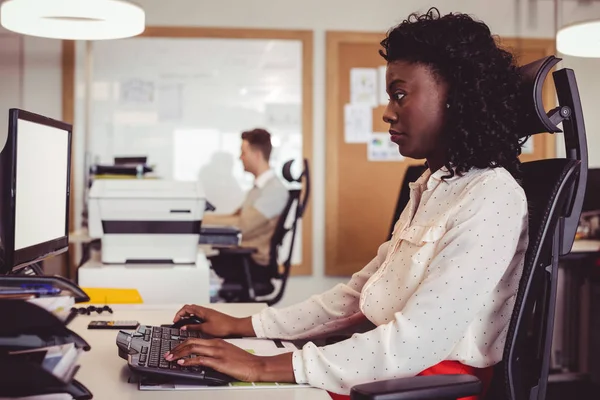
(555, 189)
(249, 290)
(413, 172)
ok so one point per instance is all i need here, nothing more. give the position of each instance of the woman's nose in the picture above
(389, 117)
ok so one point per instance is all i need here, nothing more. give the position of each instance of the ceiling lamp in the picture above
(581, 39)
(73, 19)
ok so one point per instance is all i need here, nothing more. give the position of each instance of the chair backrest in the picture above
(296, 204)
(555, 189)
(413, 172)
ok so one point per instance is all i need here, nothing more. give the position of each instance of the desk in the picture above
(105, 373)
(585, 246)
(156, 283)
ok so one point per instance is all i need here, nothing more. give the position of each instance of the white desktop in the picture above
(149, 230)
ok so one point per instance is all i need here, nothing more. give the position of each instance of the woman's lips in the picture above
(397, 137)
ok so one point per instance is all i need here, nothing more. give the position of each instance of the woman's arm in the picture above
(328, 312)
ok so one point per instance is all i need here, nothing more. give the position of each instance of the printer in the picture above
(149, 231)
(146, 220)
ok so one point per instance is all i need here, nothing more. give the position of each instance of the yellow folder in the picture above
(113, 296)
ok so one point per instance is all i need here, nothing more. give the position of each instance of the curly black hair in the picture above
(484, 86)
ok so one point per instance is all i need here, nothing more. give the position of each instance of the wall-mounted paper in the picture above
(381, 148)
(358, 123)
(527, 147)
(137, 91)
(383, 96)
(363, 86)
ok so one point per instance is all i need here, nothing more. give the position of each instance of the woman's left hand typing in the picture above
(231, 360)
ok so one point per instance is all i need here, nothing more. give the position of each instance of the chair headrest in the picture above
(535, 118)
(286, 171)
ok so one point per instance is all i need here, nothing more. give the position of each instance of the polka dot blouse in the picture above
(442, 288)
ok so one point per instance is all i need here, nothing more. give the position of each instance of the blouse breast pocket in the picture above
(421, 241)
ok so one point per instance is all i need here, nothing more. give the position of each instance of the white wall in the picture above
(42, 90)
(42, 76)
(10, 77)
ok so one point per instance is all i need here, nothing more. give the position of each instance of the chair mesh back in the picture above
(281, 230)
(546, 184)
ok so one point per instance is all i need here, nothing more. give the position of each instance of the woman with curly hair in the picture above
(439, 295)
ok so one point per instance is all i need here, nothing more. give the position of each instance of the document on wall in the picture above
(137, 91)
(381, 148)
(363, 86)
(383, 96)
(358, 123)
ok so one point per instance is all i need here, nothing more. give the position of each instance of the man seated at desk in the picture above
(258, 214)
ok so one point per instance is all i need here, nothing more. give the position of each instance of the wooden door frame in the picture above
(332, 125)
(332, 122)
(304, 36)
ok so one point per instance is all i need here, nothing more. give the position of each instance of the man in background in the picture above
(258, 215)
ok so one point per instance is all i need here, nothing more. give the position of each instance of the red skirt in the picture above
(450, 368)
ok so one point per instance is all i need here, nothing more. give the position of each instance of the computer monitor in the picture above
(35, 164)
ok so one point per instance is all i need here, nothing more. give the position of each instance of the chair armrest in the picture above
(235, 250)
(438, 387)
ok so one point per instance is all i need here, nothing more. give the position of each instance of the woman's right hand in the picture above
(215, 323)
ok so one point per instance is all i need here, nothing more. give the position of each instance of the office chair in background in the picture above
(555, 190)
(246, 290)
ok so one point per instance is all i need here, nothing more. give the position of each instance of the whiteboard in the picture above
(183, 103)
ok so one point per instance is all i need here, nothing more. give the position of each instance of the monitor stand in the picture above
(33, 269)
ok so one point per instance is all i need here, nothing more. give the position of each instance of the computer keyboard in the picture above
(144, 350)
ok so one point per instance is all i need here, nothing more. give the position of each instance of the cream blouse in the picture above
(442, 288)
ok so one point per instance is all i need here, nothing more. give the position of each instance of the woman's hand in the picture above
(216, 323)
(233, 361)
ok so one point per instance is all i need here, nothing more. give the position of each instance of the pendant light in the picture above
(73, 19)
(581, 39)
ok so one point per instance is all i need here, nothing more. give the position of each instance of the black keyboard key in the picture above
(164, 364)
(144, 349)
(146, 338)
(143, 358)
(153, 363)
(174, 365)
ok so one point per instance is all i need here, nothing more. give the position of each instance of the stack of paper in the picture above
(59, 360)
(57, 305)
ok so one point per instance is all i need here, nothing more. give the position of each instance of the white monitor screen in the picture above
(41, 184)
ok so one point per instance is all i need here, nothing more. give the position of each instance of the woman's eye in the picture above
(398, 96)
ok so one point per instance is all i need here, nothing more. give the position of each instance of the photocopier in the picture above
(149, 231)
